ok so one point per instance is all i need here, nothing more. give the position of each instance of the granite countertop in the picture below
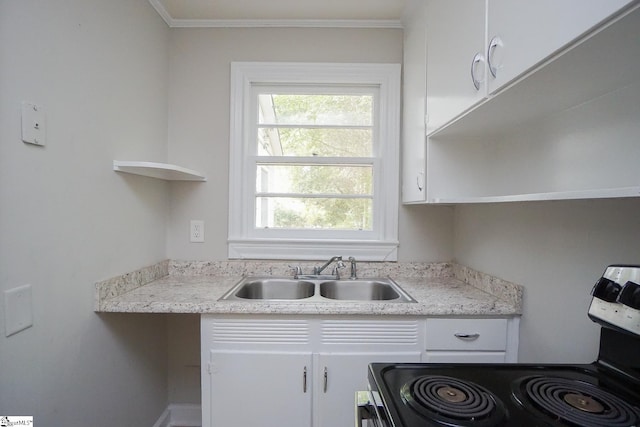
(181, 293)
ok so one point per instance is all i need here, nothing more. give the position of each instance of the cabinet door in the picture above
(529, 31)
(339, 376)
(455, 45)
(255, 389)
(414, 83)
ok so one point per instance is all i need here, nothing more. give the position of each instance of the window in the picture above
(314, 160)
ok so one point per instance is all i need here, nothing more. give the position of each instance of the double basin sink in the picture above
(316, 290)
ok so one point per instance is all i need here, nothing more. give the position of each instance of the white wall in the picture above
(557, 250)
(67, 220)
(199, 126)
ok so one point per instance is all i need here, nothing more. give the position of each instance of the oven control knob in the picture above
(606, 290)
(630, 295)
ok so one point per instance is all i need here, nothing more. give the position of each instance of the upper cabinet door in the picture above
(456, 74)
(521, 33)
(414, 89)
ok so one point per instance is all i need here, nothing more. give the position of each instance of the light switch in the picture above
(34, 129)
(18, 313)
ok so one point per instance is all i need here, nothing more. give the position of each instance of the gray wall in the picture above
(557, 250)
(100, 69)
(199, 126)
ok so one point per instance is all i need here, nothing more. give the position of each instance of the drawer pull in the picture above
(467, 337)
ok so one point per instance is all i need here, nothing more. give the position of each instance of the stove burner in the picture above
(584, 403)
(575, 402)
(451, 394)
(451, 401)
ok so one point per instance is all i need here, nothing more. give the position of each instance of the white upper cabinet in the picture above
(522, 33)
(456, 59)
(477, 48)
(524, 100)
(414, 79)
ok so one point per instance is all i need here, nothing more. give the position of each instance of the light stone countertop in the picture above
(435, 296)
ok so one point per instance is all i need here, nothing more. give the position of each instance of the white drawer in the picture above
(466, 334)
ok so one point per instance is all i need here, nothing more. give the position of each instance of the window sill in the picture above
(312, 249)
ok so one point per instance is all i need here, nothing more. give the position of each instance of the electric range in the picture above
(605, 393)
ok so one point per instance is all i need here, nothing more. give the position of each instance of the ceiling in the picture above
(281, 13)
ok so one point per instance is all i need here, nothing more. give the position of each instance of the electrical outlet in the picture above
(196, 233)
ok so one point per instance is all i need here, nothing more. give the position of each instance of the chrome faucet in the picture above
(318, 270)
(354, 274)
(297, 271)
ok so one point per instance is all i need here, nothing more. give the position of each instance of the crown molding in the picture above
(273, 23)
(157, 5)
(284, 23)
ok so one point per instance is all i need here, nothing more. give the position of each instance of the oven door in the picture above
(369, 410)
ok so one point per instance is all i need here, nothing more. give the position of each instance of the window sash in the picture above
(245, 241)
(254, 159)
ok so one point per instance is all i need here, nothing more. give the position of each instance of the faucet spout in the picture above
(318, 270)
(354, 273)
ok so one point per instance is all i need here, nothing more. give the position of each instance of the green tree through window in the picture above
(330, 184)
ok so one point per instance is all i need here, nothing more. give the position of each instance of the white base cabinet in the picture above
(253, 382)
(340, 376)
(296, 371)
(456, 340)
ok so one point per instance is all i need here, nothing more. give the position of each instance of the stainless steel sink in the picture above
(359, 290)
(316, 290)
(273, 289)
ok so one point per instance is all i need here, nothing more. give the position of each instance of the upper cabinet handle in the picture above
(477, 70)
(492, 60)
(467, 337)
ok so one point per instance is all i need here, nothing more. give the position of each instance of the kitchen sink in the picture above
(274, 289)
(359, 290)
(316, 290)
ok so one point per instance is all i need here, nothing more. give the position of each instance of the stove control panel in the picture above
(616, 298)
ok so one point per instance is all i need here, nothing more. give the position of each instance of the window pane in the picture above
(325, 110)
(319, 214)
(314, 179)
(321, 142)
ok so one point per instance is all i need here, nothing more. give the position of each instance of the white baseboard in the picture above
(180, 414)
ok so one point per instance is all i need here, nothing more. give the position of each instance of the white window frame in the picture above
(247, 242)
